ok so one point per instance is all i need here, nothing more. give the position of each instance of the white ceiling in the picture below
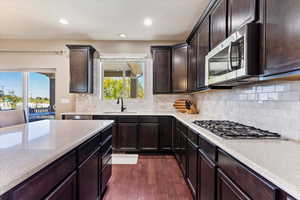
(99, 19)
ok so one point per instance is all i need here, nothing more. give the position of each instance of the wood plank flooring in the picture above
(153, 178)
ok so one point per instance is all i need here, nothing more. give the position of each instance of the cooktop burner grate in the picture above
(233, 130)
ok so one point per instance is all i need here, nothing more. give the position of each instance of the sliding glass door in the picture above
(32, 91)
(11, 90)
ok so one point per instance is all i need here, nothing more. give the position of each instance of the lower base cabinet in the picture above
(226, 189)
(206, 178)
(192, 173)
(105, 175)
(87, 178)
(66, 191)
(148, 136)
(127, 137)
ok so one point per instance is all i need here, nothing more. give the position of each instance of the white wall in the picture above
(65, 102)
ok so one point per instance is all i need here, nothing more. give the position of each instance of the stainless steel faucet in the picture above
(122, 104)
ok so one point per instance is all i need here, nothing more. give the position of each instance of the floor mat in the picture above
(125, 159)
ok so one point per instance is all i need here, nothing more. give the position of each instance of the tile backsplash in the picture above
(274, 106)
(86, 103)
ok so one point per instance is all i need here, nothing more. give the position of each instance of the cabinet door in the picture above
(202, 51)
(192, 66)
(165, 133)
(282, 36)
(206, 178)
(66, 190)
(192, 157)
(127, 137)
(176, 144)
(183, 153)
(228, 190)
(161, 70)
(148, 136)
(81, 68)
(219, 23)
(240, 13)
(179, 71)
(88, 178)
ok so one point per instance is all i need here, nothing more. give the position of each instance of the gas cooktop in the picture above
(233, 130)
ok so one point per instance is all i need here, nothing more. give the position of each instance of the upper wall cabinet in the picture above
(81, 68)
(282, 36)
(179, 69)
(240, 12)
(202, 51)
(162, 66)
(219, 23)
(192, 64)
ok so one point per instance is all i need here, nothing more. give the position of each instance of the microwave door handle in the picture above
(230, 57)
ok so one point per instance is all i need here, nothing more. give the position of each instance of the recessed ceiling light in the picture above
(122, 35)
(63, 21)
(148, 22)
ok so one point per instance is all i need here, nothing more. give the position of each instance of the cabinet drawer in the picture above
(255, 186)
(209, 149)
(193, 137)
(149, 119)
(106, 134)
(106, 157)
(106, 145)
(87, 148)
(39, 185)
(66, 190)
(181, 127)
(105, 176)
(128, 119)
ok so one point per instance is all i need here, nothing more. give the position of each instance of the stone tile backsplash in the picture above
(274, 106)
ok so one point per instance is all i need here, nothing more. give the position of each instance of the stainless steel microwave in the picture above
(235, 61)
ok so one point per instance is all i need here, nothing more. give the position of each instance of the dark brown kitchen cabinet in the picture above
(105, 176)
(127, 136)
(45, 181)
(245, 179)
(183, 153)
(206, 177)
(162, 67)
(114, 127)
(192, 157)
(226, 189)
(202, 50)
(282, 41)
(148, 136)
(88, 178)
(240, 13)
(81, 68)
(192, 66)
(179, 68)
(66, 190)
(218, 21)
(165, 133)
(176, 143)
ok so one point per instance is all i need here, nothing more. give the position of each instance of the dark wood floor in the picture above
(153, 178)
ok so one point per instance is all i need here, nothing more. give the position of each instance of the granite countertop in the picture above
(25, 149)
(276, 160)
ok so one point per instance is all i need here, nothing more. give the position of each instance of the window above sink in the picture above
(123, 78)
